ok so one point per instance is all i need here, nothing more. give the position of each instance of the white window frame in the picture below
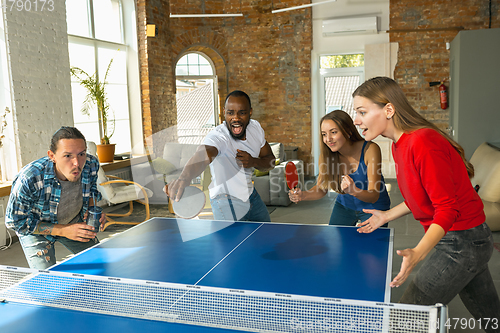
(9, 153)
(332, 72)
(203, 77)
(320, 107)
(129, 45)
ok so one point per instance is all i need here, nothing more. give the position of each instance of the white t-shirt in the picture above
(227, 176)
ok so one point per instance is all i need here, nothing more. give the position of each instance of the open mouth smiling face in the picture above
(237, 115)
(237, 129)
(371, 118)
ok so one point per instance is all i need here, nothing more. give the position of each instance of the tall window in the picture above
(197, 106)
(341, 75)
(342, 61)
(96, 36)
(8, 152)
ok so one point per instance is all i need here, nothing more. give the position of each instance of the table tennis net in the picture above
(214, 307)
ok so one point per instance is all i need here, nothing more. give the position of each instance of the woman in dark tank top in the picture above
(350, 166)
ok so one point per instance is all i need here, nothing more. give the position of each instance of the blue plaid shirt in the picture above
(36, 192)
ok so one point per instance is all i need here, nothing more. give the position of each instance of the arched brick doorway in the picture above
(219, 65)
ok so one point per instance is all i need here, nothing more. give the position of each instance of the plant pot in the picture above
(106, 153)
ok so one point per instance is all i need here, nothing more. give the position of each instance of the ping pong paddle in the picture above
(190, 204)
(292, 176)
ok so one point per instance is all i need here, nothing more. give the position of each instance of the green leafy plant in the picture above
(342, 61)
(96, 95)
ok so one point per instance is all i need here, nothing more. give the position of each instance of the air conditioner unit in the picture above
(348, 26)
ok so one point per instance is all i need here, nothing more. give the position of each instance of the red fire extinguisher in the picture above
(443, 96)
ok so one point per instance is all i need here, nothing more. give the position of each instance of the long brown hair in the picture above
(329, 161)
(383, 90)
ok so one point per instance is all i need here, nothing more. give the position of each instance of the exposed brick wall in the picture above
(212, 44)
(422, 28)
(144, 72)
(37, 43)
(156, 71)
(267, 55)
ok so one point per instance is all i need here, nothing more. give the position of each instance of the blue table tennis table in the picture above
(233, 259)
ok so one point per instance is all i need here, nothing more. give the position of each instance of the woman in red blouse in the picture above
(433, 177)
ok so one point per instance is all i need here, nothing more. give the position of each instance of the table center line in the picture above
(228, 254)
(181, 297)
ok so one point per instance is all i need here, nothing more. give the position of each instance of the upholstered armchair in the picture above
(116, 191)
(168, 167)
(486, 181)
(271, 185)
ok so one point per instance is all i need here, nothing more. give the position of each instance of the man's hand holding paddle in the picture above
(175, 188)
(193, 168)
(187, 201)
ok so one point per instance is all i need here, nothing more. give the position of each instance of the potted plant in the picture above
(96, 95)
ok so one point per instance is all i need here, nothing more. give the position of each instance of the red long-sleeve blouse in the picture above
(434, 182)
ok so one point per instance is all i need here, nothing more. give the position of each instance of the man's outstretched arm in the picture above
(203, 156)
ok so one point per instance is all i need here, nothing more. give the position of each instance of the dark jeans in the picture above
(459, 266)
(342, 215)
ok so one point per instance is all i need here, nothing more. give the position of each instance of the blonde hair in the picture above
(329, 161)
(384, 90)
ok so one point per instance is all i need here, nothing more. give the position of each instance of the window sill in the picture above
(118, 164)
(5, 189)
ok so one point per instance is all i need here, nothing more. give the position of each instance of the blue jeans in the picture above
(342, 215)
(40, 252)
(229, 208)
(459, 266)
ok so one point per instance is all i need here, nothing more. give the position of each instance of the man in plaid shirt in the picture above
(50, 198)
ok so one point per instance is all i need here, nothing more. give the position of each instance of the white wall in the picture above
(40, 88)
(8, 154)
(37, 43)
(347, 9)
(341, 45)
(133, 79)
